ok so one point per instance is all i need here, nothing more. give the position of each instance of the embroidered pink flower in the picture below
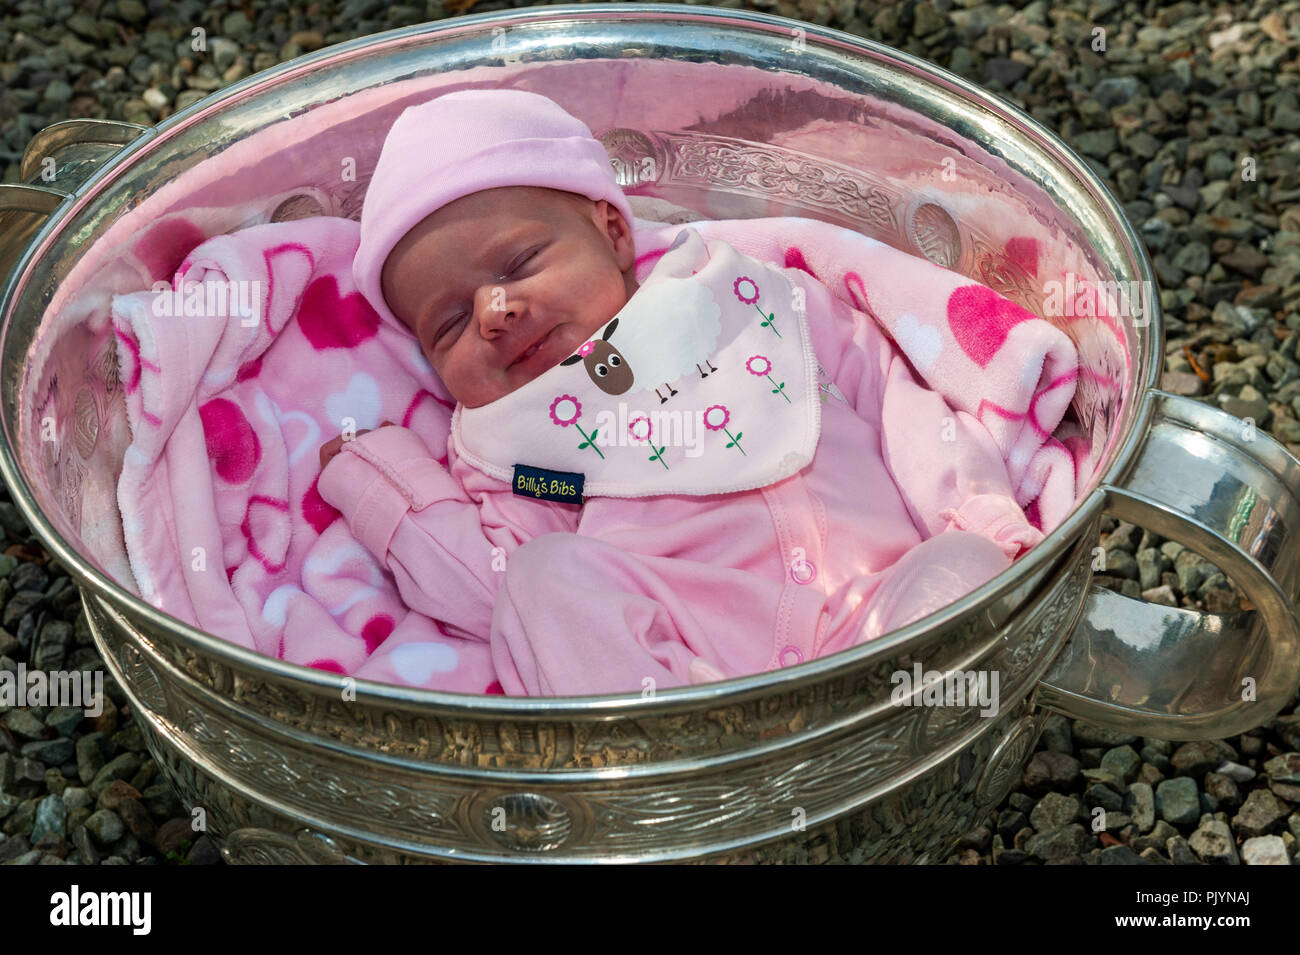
(586, 349)
(565, 410)
(749, 298)
(639, 428)
(760, 366)
(716, 418)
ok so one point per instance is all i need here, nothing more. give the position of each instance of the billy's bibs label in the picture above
(562, 486)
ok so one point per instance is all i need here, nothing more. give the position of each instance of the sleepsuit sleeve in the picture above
(447, 545)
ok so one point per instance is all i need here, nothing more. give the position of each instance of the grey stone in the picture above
(1260, 815)
(1056, 734)
(85, 845)
(1149, 560)
(1057, 845)
(1054, 811)
(1222, 789)
(1213, 844)
(51, 819)
(121, 767)
(1157, 837)
(24, 722)
(1090, 734)
(1142, 805)
(12, 848)
(106, 826)
(1048, 770)
(51, 752)
(203, 852)
(1098, 143)
(64, 719)
(1180, 853)
(137, 819)
(77, 797)
(1160, 595)
(1194, 257)
(1120, 563)
(1178, 801)
(236, 24)
(161, 801)
(1284, 768)
(90, 758)
(1006, 71)
(1265, 850)
(1119, 855)
(1099, 794)
(1196, 758)
(1115, 90)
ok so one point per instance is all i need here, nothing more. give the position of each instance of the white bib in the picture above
(705, 382)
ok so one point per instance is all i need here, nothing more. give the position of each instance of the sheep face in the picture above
(605, 364)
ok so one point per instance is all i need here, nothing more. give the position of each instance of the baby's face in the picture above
(503, 284)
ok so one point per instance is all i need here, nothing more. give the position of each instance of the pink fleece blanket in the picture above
(229, 403)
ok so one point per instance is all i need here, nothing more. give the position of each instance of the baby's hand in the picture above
(331, 448)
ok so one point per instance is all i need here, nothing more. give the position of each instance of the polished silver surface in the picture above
(705, 113)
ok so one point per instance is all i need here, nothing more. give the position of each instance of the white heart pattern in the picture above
(360, 402)
(921, 343)
(415, 663)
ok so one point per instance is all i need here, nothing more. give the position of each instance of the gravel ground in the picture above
(1190, 114)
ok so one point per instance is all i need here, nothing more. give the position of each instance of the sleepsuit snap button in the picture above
(803, 572)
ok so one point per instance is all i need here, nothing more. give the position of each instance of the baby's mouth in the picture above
(532, 349)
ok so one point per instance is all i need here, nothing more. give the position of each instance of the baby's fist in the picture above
(333, 447)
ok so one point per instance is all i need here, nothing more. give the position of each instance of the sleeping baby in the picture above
(717, 470)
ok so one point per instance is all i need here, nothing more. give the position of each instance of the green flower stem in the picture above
(769, 320)
(589, 439)
(735, 442)
(780, 391)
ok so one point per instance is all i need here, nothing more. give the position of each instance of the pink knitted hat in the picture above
(464, 142)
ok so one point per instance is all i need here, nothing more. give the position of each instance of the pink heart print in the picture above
(330, 320)
(980, 319)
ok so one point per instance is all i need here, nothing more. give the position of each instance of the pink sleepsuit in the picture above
(893, 519)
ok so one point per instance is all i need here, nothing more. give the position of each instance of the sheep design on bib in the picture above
(672, 329)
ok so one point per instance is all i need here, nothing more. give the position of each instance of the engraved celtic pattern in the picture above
(142, 679)
(1004, 766)
(106, 367)
(305, 779)
(747, 168)
(256, 846)
(297, 207)
(934, 234)
(527, 822)
(914, 824)
(71, 474)
(85, 423)
(633, 156)
(1005, 277)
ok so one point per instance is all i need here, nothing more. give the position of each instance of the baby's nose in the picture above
(500, 309)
